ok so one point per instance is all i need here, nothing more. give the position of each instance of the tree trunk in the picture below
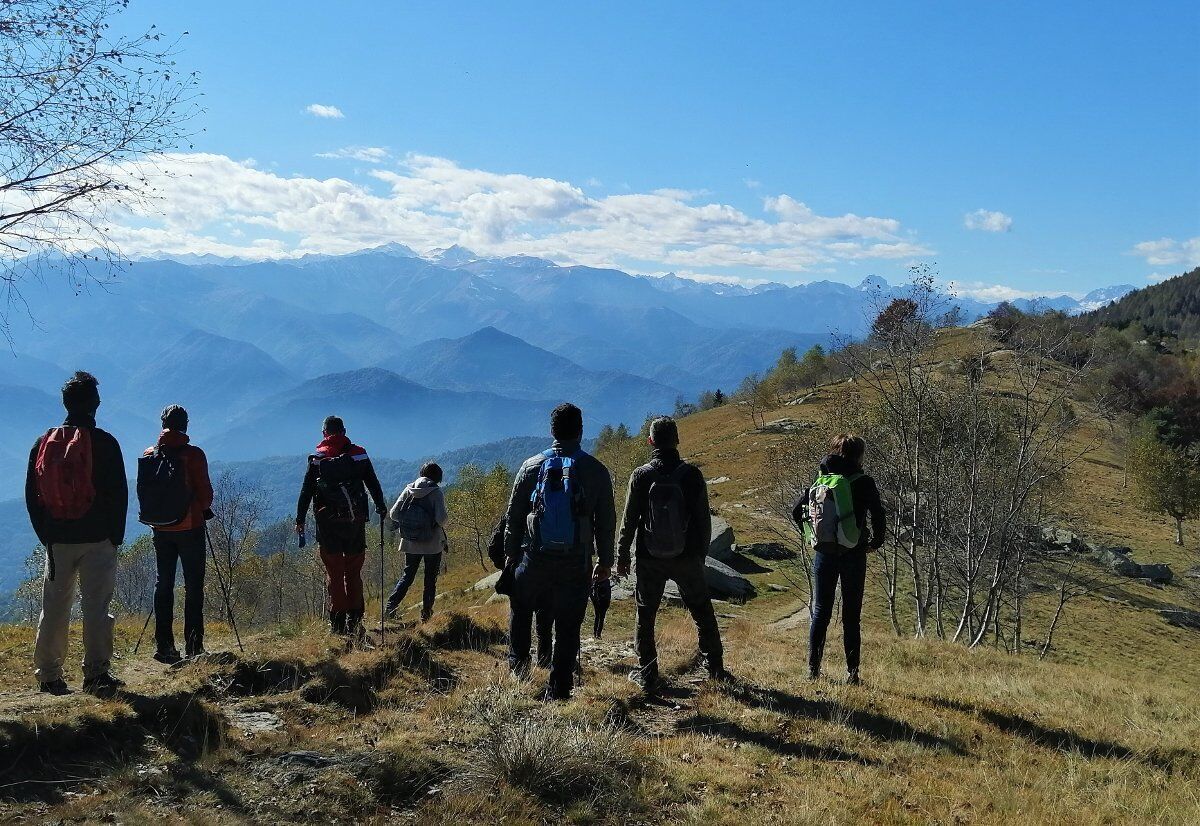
(1179, 531)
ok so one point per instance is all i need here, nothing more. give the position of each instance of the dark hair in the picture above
(664, 432)
(333, 425)
(432, 471)
(79, 393)
(175, 417)
(849, 445)
(566, 423)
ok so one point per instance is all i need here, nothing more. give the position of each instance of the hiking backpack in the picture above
(164, 497)
(63, 472)
(556, 504)
(414, 519)
(340, 490)
(826, 513)
(667, 514)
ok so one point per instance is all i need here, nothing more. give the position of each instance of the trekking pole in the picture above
(224, 590)
(145, 625)
(382, 585)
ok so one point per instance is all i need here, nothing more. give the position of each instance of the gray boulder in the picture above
(784, 426)
(725, 582)
(1117, 558)
(720, 546)
(1159, 572)
(487, 583)
(1181, 617)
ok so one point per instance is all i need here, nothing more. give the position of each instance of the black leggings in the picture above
(433, 566)
(851, 568)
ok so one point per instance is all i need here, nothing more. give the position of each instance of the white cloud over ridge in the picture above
(322, 110)
(1167, 252)
(212, 203)
(988, 221)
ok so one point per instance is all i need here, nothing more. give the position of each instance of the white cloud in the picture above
(1167, 252)
(427, 202)
(988, 221)
(322, 110)
(366, 154)
(981, 291)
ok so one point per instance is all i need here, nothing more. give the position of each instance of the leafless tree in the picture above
(81, 113)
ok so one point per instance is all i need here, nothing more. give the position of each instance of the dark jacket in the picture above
(598, 523)
(195, 468)
(695, 491)
(866, 500)
(106, 518)
(336, 446)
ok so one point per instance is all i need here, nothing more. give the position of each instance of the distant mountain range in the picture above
(420, 353)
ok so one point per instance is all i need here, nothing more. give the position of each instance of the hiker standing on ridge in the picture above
(561, 509)
(419, 516)
(176, 507)
(841, 543)
(667, 508)
(77, 498)
(336, 484)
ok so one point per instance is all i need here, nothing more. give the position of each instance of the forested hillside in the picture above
(1172, 306)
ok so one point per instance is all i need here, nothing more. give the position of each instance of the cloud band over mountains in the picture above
(213, 204)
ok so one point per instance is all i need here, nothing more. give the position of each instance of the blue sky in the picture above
(663, 139)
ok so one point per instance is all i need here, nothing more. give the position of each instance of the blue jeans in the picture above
(560, 586)
(851, 568)
(433, 566)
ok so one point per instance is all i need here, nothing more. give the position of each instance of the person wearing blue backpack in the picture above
(667, 511)
(561, 512)
(419, 517)
(833, 516)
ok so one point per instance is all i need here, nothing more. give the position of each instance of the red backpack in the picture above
(64, 472)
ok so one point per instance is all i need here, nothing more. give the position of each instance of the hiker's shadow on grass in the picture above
(45, 761)
(1066, 740)
(874, 724)
(706, 724)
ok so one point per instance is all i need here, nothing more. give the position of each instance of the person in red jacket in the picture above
(181, 544)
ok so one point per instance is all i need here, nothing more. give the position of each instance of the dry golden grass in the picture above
(1107, 730)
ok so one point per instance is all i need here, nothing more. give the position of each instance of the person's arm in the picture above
(202, 487)
(630, 521)
(700, 516)
(604, 519)
(373, 487)
(878, 515)
(33, 504)
(117, 483)
(518, 510)
(395, 509)
(440, 515)
(307, 490)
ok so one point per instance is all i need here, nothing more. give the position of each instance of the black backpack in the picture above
(495, 549)
(341, 495)
(162, 489)
(667, 514)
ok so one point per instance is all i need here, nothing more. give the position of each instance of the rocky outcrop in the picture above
(784, 426)
(720, 545)
(723, 583)
(488, 582)
(1181, 617)
(1117, 558)
(766, 550)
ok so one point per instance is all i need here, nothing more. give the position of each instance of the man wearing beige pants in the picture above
(77, 497)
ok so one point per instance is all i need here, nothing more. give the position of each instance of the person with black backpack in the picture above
(175, 495)
(543, 615)
(561, 511)
(833, 517)
(667, 511)
(337, 480)
(77, 498)
(419, 517)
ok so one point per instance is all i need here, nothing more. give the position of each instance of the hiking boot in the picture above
(426, 613)
(56, 687)
(814, 674)
(647, 680)
(168, 656)
(552, 694)
(852, 678)
(102, 685)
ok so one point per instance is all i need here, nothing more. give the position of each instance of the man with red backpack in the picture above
(336, 484)
(77, 498)
(175, 495)
(667, 509)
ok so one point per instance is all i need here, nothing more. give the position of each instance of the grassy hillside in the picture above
(428, 727)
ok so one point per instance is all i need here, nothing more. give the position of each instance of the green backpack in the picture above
(827, 516)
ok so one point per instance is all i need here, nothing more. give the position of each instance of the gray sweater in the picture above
(424, 488)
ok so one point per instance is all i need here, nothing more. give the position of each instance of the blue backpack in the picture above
(556, 504)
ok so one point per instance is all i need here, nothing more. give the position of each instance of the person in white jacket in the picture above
(419, 517)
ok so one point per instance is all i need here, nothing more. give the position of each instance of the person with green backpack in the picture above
(419, 517)
(833, 517)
